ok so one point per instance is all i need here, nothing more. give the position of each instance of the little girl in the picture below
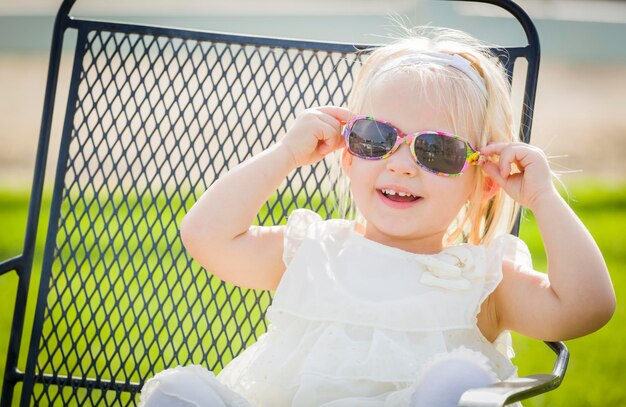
(411, 305)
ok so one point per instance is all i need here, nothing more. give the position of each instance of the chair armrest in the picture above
(499, 394)
(10, 264)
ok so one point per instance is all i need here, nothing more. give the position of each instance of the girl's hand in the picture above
(522, 171)
(315, 133)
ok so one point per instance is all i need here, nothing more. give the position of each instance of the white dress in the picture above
(355, 322)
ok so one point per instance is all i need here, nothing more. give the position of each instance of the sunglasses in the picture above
(436, 151)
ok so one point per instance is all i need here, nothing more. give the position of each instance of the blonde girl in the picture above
(411, 304)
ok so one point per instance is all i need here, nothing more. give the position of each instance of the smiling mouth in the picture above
(399, 196)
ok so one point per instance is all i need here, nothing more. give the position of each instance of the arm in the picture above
(218, 231)
(576, 297)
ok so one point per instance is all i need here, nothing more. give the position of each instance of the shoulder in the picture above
(508, 249)
(497, 255)
(304, 224)
(503, 255)
(506, 256)
(516, 300)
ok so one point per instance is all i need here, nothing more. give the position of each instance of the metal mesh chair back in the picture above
(154, 120)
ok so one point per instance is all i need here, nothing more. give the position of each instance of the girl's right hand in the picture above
(315, 133)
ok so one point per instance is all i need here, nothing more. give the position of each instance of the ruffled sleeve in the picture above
(513, 249)
(505, 247)
(298, 224)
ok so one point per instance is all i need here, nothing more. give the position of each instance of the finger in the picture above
(330, 121)
(493, 171)
(333, 138)
(506, 159)
(520, 151)
(326, 148)
(518, 154)
(342, 114)
(503, 148)
(495, 148)
(330, 138)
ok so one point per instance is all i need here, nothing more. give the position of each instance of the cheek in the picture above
(452, 193)
(360, 170)
(469, 180)
(346, 162)
(362, 175)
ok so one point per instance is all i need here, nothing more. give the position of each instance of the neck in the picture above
(428, 244)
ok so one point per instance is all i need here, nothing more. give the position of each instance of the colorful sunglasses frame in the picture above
(474, 157)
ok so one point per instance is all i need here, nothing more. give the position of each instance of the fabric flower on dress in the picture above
(451, 269)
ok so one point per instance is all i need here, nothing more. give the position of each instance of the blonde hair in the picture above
(487, 118)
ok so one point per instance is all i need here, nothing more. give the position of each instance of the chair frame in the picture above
(22, 264)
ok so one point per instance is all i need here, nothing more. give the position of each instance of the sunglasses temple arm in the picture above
(476, 158)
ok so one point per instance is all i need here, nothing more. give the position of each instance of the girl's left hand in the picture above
(522, 171)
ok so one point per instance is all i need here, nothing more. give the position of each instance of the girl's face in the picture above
(416, 225)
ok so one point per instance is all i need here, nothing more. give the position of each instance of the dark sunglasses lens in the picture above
(441, 153)
(372, 139)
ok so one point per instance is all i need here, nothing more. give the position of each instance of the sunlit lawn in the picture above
(597, 362)
(596, 371)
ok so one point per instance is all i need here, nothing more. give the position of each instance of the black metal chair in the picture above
(154, 115)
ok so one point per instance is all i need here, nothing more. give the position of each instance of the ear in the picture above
(346, 162)
(490, 188)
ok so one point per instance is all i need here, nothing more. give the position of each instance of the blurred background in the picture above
(580, 120)
(580, 104)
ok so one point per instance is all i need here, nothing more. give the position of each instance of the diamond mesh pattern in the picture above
(156, 120)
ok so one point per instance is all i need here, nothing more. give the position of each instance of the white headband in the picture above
(456, 61)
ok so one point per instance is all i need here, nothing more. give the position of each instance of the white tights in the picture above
(180, 387)
(442, 385)
(445, 382)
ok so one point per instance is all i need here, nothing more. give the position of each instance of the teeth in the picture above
(392, 192)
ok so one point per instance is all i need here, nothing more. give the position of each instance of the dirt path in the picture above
(580, 117)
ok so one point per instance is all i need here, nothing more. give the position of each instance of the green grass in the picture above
(595, 368)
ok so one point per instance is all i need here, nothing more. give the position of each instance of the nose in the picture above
(401, 162)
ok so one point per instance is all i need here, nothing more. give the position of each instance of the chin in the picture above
(399, 230)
